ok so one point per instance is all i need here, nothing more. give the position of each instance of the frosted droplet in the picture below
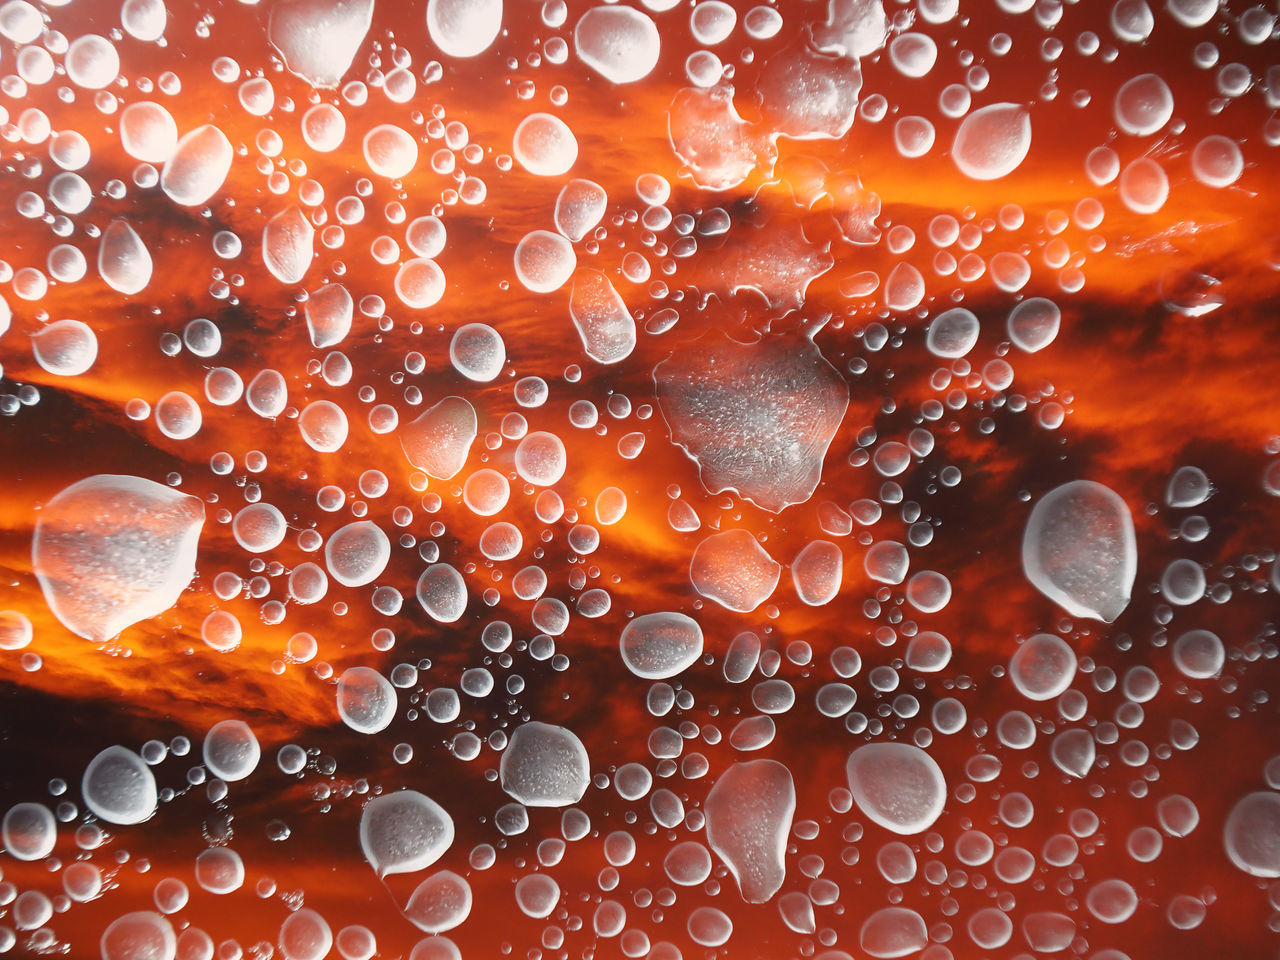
(541, 459)
(1252, 834)
(304, 935)
(952, 333)
(477, 352)
(441, 902)
(142, 935)
(913, 54)
(756, 418)
(65, 348)
(231, 750)
(537, 894)
(463, 28)
(219, 870)
(893, 932)
(144, 20)
(1033, 324)
(358, 553)
(660, 645)
(259, 527)
(817, 572)
(579, 207)
(1073, 752)
(1144, 186)
(442, 593)
(1079, 550)
(544, 145)
(619, 43)
(993, 141)
(148, 132)
(1188, 487)
(366, 700)
(1217, 161)
(1043, 667)
(438, 441)
(1143, 105)
(118, 787)
(198, 167)
(748, 818)
(732, 569)
(545, 766)
(324, 127)
(897, 785)
(288, 244)
(112, 550)
(404, 832)
(1199, 654)
(91, 62)
(323, 426)
(329, 312)
(29, 831)
(544, 261)
(604, 324)
(420, 283)
(886, 561)
(319, 39)
(390, 152)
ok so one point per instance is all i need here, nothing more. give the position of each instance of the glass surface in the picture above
(493, 478)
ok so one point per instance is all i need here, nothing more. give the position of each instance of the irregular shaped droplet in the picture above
(288, 244)
(808, 95)
(198, 167)
(118, 787)
(231, 750)
(817, 571)
(329, 312)
(65, 348)
(404, 832)
(545, 766)
(619, 43)
(853, 28)
(604, 324)
(893, 932)
(1043, 667)
(1079, 550)
(660, 645)
(112, 550)
(732, 569)
(319, 39)
(992, 141)
(749, 812)
(579, 207)
(718, 148)
(439, 441)
(463, 28)
(1073, 752)
(442, 593)
(1251, 834)
(756, 418)
(123, 260)
(897, 785)
(366, 700)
